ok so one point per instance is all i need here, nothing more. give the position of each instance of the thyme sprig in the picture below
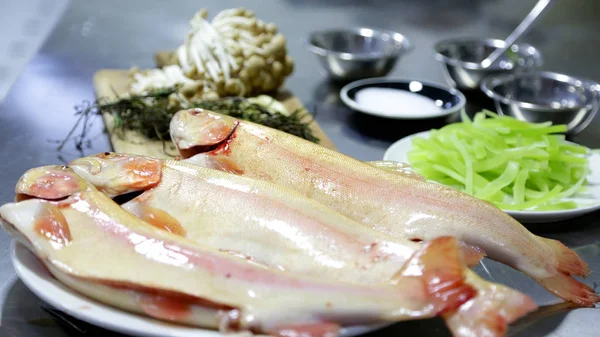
(150, 115)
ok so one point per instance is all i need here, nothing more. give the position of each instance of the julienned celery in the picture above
(514, 164)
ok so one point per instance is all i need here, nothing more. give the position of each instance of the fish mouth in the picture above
(127, 197)
(196, 131)
(118, 173)
(19, 197)
(190, 151)
(51, 183)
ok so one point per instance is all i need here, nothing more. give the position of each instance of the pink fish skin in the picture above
(90, 238)
(226, 212)
(389, 202)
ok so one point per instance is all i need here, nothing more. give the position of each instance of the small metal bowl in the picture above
(545, 96)
(461, 60)
(356, 53)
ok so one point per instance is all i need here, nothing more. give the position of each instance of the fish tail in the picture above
(569, 263)
(562, 283)
(440, 267)
(489, 313)
(569, 289)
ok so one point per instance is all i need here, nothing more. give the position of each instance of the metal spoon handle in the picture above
(523, 27)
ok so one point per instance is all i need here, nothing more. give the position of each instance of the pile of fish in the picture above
(256, 230)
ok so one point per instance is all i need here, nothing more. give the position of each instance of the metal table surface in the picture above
(119, 34)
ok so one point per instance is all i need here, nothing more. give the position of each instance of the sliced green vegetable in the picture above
(519, 186)
(514, 164)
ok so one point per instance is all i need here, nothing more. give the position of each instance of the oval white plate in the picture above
(35, 276)
(414, 86)
(399, 152)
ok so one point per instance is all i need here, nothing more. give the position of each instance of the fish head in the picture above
(35, 219)
(197, 130)
(41, 192)
(118, 173)
(50, 183)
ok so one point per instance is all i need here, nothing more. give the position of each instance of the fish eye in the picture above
(106, 154)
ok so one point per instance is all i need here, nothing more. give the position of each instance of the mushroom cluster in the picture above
(235, 54)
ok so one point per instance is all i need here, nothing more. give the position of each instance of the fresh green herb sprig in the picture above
(151, 114)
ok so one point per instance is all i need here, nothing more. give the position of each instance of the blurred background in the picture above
(65, 43)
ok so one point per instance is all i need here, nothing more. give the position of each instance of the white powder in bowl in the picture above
(397, 103)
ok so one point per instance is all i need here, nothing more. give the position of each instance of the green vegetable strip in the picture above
(519, 186)
(468, 164)
(532, 203)
(449, 173)
(573, 189)
(570, 159)
(503, 180)
(574, 148)
(533, 194)
(514, 164)
(480, 151)
(556, 206)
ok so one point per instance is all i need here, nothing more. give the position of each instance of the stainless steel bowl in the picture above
(545, 96)
(356, 53)
(461, 60)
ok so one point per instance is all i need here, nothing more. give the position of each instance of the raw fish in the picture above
(83, 235)
(231, 213)
(400, 205)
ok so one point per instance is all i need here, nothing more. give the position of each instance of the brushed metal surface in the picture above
(25, 25)
(101, 34)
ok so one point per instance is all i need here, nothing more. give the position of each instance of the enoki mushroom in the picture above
(235, 54)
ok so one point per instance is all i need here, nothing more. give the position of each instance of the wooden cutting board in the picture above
(110, 83)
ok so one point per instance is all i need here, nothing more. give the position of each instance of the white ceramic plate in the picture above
(451, 100)
(40, 282)
(588, 203)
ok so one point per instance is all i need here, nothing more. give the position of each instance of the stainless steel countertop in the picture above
(119, 34)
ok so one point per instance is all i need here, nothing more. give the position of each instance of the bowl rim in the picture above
(462, 100)
(497, 43)
(488, 84)
(405, 44)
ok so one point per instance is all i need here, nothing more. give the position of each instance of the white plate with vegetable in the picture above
(37, 278)
(525, 169)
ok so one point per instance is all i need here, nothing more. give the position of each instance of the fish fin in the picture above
(164, 307)
(155, 217)
(400, 168)
(51, 224)
(439, 264)
(569, 289)
(472, 255)
(569, 263)
(489, 313)
(309, 330)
